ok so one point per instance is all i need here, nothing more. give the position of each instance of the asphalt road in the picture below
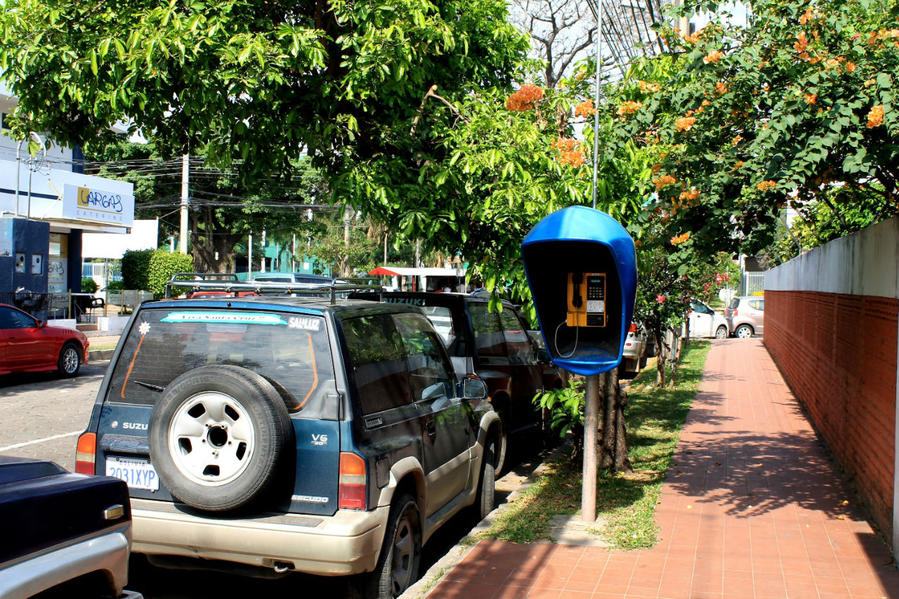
(41, 416)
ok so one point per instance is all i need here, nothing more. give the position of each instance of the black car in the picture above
(62, 533)
(494, 345)
(287, 434)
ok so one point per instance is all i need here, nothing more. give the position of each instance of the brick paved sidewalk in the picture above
(752, 508)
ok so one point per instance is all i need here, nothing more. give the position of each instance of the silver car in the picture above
(705, 322)
(745, 316)
(634, 356)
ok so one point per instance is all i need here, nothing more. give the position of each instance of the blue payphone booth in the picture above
(582, 271)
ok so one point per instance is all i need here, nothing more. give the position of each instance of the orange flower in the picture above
(875, 116)
(656, 168)
(572, 157)
(737, 140)
(870, 82)
(721, 88)
(766, 185)
(850, 66)
(685, 123)
(647, 87)
(679, 239)
(806, 16)
(738, 164)
(811, 98)
(628, 107)
(694, 38)
(564, 144)
(713, 56)
(524, 99)
(664, 180)
(692, 194)
(801, 42)
(585, 109)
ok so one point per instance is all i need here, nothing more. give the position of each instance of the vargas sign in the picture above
(95, 205)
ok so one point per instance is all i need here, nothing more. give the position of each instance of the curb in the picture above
(98, 355)
(430, 579)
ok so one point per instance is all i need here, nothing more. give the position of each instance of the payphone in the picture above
(586, 299)
(582, 272)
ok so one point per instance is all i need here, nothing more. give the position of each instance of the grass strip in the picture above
(625, 502)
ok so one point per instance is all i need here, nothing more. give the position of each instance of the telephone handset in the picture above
(586, 299)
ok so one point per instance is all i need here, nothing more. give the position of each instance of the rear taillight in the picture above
(633, 328)
(734, 312)
(352, 483)
(86, 454)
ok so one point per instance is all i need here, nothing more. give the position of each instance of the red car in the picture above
(29, 345)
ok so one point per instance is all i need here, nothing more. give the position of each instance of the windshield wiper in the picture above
(150, 386)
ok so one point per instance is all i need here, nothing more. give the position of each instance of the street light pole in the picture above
(33, 166)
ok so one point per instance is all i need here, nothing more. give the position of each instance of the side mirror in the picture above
(473, 388)
(41, 324)
(537, 339)
(431, 392)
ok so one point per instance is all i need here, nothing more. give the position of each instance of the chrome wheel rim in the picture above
(70, 360)
(211, 439)
(744, 333)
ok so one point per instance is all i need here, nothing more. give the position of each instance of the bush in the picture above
(136, 269)
(88, 285)
(115, 286)
(163, 265)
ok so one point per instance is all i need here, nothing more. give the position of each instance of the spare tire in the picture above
(217, 437)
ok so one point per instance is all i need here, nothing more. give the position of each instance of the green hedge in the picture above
(136, 269)
(88, 285)
(163, 265)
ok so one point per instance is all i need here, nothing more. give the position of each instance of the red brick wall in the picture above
(838, 354)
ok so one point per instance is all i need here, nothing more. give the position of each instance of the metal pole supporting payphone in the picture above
(591, 403)
(591, 423)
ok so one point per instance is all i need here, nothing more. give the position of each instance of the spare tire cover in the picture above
(217, 437)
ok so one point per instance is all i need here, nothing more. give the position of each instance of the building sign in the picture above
(96, 205)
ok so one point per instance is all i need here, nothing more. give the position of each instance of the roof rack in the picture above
(195, 282)
(205, 276)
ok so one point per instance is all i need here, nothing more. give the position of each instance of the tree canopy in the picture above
(264, 83)
(798, 108)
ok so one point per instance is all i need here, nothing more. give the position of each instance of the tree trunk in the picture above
(661, 359)
(678, 349)
(613, 446)
(608, 429)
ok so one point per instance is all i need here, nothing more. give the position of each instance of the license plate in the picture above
(139, 474)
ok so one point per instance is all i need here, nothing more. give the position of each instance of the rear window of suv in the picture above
(290, 350)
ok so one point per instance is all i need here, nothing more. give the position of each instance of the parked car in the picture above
(29, 345)
(633, 359)
(292, 277)
(291, 434)
(705, 322)
(746, 315)
(65, 533)
(496, 346)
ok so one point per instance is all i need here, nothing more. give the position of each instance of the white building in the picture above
(50, 188)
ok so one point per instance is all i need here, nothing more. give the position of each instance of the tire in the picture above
(218, 435)
(721, 333)
(744, 331)
(486, 496)
(69, 361)
(400, 555)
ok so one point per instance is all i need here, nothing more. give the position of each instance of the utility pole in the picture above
(262, 266)
(250, 258)
(185, 202)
